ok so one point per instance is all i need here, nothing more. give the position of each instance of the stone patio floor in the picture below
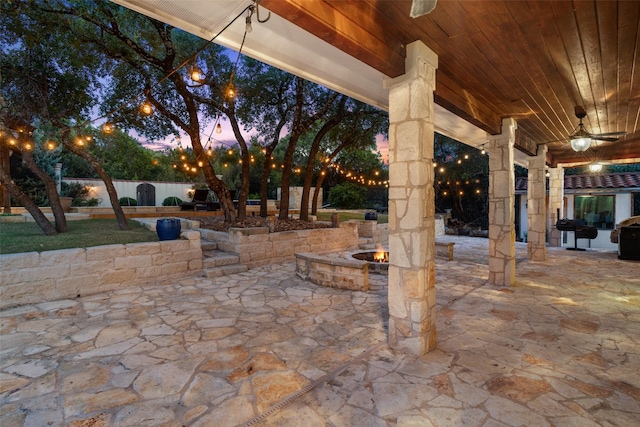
(560, 348)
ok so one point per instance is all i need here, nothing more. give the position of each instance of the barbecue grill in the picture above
(580, 231)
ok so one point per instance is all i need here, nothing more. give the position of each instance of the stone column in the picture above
(412, 293)
(556, 204)
(502, 231)
(537, 206)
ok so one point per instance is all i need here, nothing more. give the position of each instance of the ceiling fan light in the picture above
(595, 167)
(580, 144)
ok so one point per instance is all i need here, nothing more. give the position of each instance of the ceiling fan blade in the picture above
(608, 134)
(604, 138)
(551, 142)
(421, 7)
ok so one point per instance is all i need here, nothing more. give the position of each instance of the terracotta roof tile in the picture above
(577, 182)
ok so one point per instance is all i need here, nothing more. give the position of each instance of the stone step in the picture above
(208, 245)
(225, 270)
(211, 259)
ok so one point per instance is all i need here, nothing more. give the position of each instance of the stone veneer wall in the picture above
(35, 277)
(331, 272)
(256, 246)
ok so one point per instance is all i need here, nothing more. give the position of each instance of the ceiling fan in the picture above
(581, 138)
(422, 7)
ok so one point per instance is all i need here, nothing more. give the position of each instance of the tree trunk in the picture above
(286, 179)
(315, 147)
(264, 182)
(52, 191)
(42, 221)
(5, 154)
(314, 206)
(111, 190)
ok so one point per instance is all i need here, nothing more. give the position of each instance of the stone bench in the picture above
(445, 249)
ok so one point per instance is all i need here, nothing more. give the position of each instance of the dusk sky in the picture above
(227, 139)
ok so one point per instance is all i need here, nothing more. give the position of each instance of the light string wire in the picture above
(206, 44)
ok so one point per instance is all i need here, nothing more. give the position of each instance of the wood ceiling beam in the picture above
(364, 39)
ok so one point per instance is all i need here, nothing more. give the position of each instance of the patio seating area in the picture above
(561, 347)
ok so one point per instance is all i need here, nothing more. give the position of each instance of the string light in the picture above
(146, 109)
(231, 89)
(218, 128)
(108, 128)
(51, 145)
(196, 75)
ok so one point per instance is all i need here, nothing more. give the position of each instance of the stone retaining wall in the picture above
(35, 277)
(256, 246)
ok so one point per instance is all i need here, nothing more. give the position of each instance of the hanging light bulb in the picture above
(209, 152)
(80, 142)
(230, 152)
(28, 146)
(146, 109)
(218, 128)
(231, 90)
(196, 75)
(108, 128)
(200, 163)
(179, 141)
(51, 145)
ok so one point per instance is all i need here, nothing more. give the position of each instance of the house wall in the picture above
(126, 188)
(603, 241)
(622, 211)
(523, 217)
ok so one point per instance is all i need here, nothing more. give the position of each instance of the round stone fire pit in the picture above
(374, 264)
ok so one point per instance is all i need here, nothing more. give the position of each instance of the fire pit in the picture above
(378, 260)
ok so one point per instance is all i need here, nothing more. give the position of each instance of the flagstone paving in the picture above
(560, 348)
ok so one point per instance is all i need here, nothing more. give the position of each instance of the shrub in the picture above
(128, 201)
(347, 196)
(172, 201)
(86, 202)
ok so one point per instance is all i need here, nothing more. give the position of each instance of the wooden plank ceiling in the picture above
(530, 60)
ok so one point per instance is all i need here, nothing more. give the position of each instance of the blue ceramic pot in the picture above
(168, 228)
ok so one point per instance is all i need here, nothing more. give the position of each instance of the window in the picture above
(596, 211)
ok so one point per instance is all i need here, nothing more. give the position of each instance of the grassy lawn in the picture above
(27, 236)
(347, 215)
